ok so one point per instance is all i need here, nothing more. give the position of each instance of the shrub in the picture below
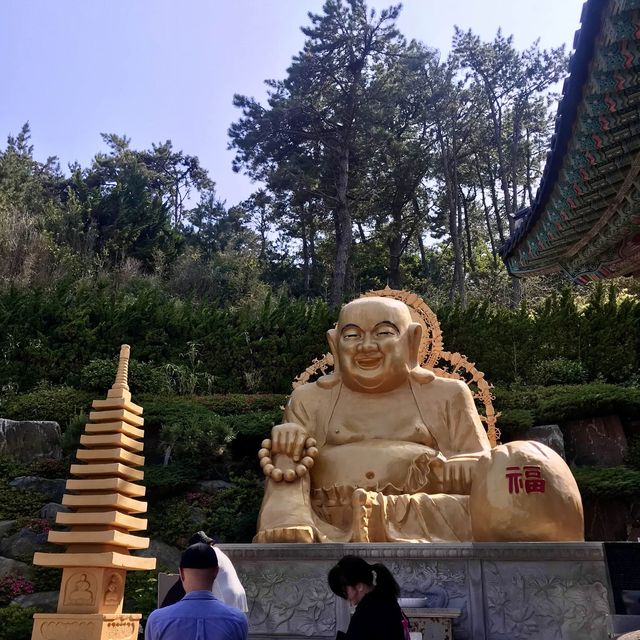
(49, 468)
(16, 623)
(45, 578)
(197, 438)
(234, 403)
(141, 592)
(569, 402)
(632, 458)
(99, 374)
(61, 404)
(559, 371)
(162, 480)
(513, 422)
(234, 511)
(13, 586)
(229, 514)
(172, 521)
(15, 504)
(607, 481)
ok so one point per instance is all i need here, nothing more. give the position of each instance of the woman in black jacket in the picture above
(374, 592)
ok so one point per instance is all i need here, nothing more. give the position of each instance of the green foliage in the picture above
(15, 503)
(167, 480)
(99, 374)
(513, 422)
(559, 371)
(235, 403)
(141, 592)
(197, 438)
(171, 520)
(608, 481)
(62, 404)
(49, 468)
(229, 514)
(569, 402)
(73, 432)
(45, 578)
(16, 623)
(632, 458)
(234, 511)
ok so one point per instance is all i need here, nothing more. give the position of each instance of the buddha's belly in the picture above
(376, 465)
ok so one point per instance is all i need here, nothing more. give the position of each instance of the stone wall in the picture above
(505, 591)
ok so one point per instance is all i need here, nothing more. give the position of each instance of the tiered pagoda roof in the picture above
(585, 220)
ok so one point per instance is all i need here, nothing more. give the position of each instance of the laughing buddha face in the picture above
(375, 341)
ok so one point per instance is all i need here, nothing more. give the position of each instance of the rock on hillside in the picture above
(27, 440)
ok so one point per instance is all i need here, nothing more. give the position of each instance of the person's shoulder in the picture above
(229, 611)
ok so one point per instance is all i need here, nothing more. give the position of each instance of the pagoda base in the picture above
(80, 626)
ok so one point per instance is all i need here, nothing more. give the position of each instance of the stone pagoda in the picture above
(103, 494)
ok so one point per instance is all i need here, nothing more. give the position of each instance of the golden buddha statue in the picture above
(383, 450)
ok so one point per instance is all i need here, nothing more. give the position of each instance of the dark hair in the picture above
(352, 570)
(201, 536)
(199, 556)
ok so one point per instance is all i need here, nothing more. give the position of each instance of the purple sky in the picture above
(162, 69)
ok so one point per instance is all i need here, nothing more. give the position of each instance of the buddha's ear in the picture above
(415, 335)
(332, 339)
(332, 379)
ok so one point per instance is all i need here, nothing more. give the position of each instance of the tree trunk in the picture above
(487, 218)
(495, 203)
(306, 267)
(344, 232)
(395, 249)
(467, 230)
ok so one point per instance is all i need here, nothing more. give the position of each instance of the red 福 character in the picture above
(533, 480)
(514, 475)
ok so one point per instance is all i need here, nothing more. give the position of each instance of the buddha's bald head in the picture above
(376, 344)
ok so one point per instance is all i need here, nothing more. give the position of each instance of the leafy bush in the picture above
(559, 371)
(49, 468)
(230, 514)
(16, 623)
(171, 521)
(607, 481)
(234, 403)
(569, 402)
(13, 586)
(73, 432)
(99, 374)
(61, 404)
(15, 504)
(162, 480)
(632, 458)
(45, 578)
(513, 422)
(234, 511)
(141, 592)
(250, 429)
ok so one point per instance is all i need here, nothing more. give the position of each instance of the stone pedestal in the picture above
(504, 591)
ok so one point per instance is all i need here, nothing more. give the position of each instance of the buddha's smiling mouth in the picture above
(369, 362)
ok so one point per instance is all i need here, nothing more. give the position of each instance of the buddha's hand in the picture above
(458, 472)
(288, 438)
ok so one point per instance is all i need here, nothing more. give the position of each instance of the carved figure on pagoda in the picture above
(384, 449)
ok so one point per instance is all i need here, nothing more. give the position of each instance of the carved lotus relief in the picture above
(279, 603)
(67, 630)
(525, 604)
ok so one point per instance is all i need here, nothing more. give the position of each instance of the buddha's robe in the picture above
(398, 456)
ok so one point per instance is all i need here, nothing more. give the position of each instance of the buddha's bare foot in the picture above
(285, 534)
(361, 503)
